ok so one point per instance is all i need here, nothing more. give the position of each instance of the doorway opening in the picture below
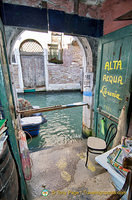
(53, 62)
(48, 62)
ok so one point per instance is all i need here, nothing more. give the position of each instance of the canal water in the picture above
(61, 125)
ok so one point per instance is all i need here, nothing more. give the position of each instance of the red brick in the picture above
(112, 9)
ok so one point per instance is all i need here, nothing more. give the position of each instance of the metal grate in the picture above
(31, 46)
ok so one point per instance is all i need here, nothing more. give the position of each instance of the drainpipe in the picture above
(46, 69)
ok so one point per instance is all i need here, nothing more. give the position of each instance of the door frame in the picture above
(8, 105)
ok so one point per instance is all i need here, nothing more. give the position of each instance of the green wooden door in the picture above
(8, 110)
(113, 80)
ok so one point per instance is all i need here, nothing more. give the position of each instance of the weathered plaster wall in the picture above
(11, 34)
(90, 46)
(14, 75)
(111, 9)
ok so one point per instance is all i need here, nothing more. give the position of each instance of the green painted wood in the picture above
(29, 90)
(6, 98)
(114, 74)
(96, 99)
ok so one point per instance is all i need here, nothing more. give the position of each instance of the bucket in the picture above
(8, 176)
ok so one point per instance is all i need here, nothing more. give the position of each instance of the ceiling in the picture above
(126, 16)
(54, 2)
(85, 8)
(92, 2)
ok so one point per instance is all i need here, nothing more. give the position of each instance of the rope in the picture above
(29, 136)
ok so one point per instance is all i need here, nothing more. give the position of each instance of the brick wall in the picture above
(70, 70)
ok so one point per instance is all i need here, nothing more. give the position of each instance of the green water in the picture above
(61, 125)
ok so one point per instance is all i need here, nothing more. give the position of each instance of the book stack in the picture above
(116, 159)
(3, 135)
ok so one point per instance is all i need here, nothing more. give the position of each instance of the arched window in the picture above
(31, 46)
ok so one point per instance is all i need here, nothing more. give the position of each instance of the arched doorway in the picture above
(32, 62)
(89, 57)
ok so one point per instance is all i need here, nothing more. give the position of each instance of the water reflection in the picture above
(62, 125)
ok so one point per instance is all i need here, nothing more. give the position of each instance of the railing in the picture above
(51, 108)
(108, 115)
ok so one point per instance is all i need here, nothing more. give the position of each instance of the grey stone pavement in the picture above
(61, 170)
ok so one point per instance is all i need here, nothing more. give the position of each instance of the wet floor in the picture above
(62, 125)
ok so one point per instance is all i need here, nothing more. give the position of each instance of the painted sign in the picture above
(112, 83)
(114, 74)
(115, 66)
(112, 79)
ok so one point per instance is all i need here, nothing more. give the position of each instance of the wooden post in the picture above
(76, 6)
